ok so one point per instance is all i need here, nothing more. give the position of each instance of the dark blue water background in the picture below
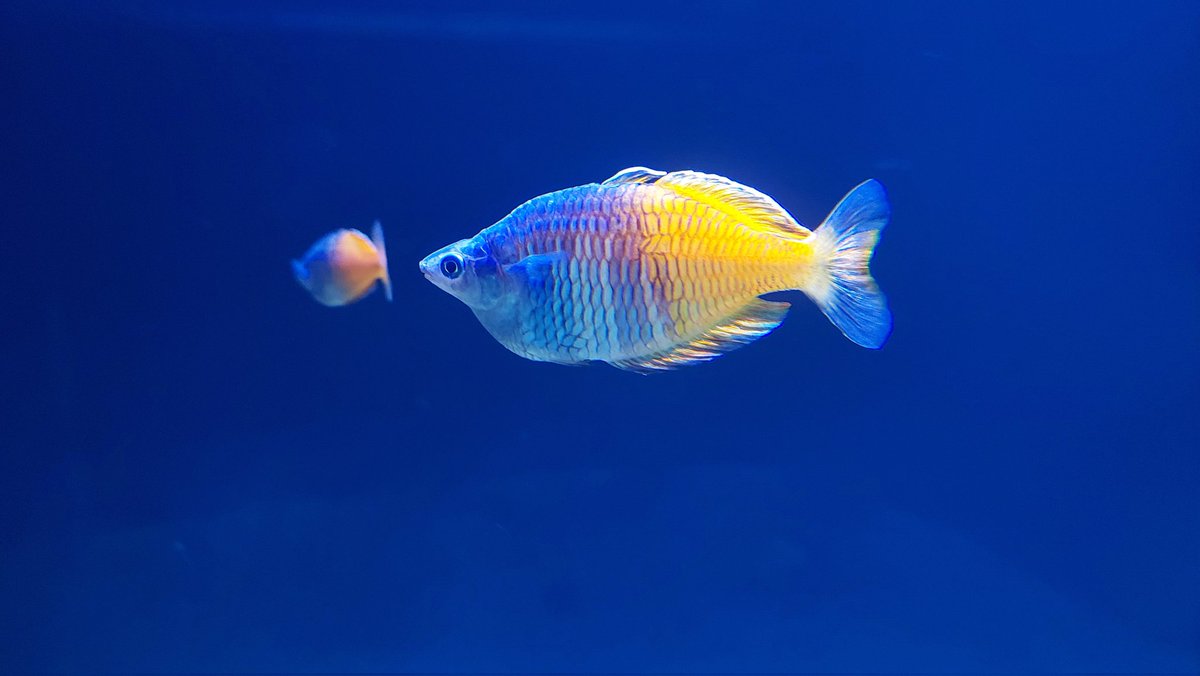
(203, 470)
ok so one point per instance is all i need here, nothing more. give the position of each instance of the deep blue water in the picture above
(204, 470)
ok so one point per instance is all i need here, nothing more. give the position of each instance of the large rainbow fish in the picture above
(649, 271)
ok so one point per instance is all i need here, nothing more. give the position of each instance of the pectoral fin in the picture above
(534, 270)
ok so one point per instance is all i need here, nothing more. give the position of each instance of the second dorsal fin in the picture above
(742, 202)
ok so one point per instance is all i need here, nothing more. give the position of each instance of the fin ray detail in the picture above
(753, 321)
(635, 175)
(742, 202)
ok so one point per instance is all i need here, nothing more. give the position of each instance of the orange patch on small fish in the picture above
(343, 266)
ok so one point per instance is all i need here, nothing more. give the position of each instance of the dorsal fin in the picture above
(635, 175)
(753, 321)
(741, 202)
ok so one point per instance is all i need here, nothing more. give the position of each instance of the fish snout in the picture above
(426, 267)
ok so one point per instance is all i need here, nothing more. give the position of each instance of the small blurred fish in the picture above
(343, 266)
(649, 271)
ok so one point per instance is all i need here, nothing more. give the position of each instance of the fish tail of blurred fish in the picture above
(839, 281)
(385, 276)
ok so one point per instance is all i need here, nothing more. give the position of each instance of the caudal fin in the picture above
(841, 283)
(377, 240)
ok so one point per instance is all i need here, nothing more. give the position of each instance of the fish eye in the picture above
(452, 266)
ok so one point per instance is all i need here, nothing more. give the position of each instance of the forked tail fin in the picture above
(841, 283)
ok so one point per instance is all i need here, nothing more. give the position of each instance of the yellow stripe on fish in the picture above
(650, 270)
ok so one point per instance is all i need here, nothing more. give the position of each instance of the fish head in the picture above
(467, 271)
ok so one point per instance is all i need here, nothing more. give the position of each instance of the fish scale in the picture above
(650, 270)
(668, 247)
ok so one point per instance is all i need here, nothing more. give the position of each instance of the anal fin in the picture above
(753, 321)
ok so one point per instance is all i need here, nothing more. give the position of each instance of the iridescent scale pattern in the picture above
(634, 269)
